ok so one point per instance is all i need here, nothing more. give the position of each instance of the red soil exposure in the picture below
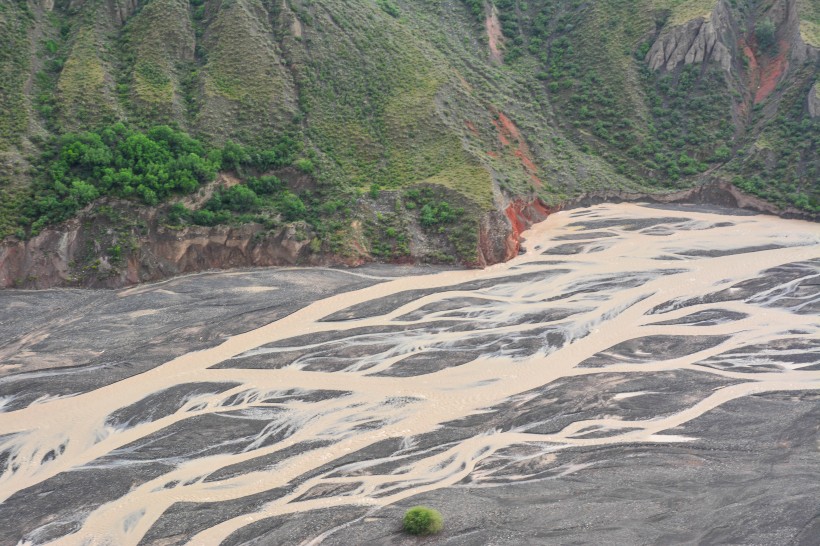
(492, 154)
(772, 71)
(523, 214)
(471, 126)
(502, 134)
(752, 73)
(753, 68)
(494, 33)
(526, 161)
(507, 131)
(508, 126)
(764, 72)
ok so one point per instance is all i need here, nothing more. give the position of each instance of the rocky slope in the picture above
(506, 109)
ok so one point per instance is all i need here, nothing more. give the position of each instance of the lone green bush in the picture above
(765, 34)
(421, 520)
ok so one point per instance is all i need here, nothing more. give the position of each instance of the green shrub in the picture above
(116, 161)
(305, 165)
(722, 153)
(177, 214)
(209, 218)
(234, 156)
(292, 206)
(421, 520)
(240, 198)
(765, 34)
(265, 185)
(389, 7)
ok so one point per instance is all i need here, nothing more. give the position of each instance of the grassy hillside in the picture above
(671, 126)
(341, 99)
(810, 22)
(157, 48)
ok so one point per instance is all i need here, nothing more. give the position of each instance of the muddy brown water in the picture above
(622, 289)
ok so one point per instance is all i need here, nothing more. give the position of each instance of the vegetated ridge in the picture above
(142, 139)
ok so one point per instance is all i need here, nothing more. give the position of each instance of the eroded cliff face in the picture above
(700, 40)
(94, 251)
(113, 245)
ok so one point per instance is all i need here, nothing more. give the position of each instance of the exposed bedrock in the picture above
(146, 252)
(814, 100)
(700, 40)
(500, 231)
(717, 36)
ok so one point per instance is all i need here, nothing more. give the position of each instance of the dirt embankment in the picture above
(716, 193)
(101, 251)
(109, 248)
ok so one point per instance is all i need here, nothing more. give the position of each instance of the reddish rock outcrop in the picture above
(500, 232)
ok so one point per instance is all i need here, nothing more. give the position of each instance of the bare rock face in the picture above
(496, 242)
(120, 10)
(91, 252)
(698, 41)
(786, 16)
(814, 100)
(500, 232)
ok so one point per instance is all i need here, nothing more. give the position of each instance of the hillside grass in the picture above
(83, 93)
(397, 94)
(809, 11)
(683, 11)
(656, 128)
(247, 92)
(157, 44)
(370, 90)
(15, 23)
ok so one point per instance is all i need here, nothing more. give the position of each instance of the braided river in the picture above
(637, 375)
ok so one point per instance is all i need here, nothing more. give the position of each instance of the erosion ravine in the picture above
(638, 375)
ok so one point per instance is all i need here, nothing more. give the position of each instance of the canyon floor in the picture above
(639, 375)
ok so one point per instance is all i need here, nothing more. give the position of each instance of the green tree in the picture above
(234, 156)
(240, 198)
(83, 192)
